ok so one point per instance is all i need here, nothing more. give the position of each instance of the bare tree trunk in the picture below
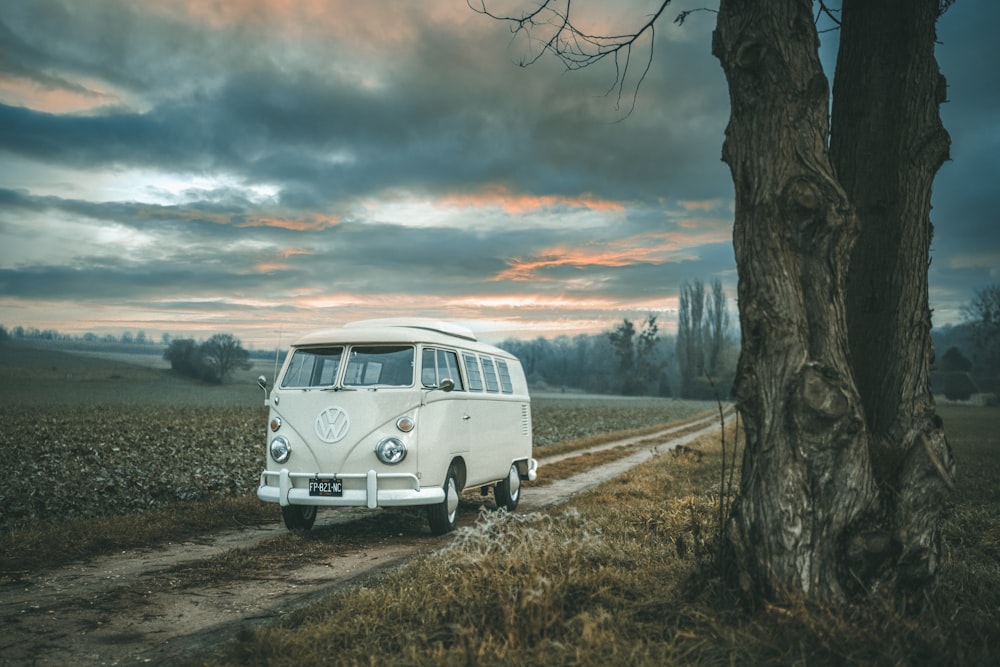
(692, 337)
(846, 465)
(806, 475)
(717, 326)
(887, 143)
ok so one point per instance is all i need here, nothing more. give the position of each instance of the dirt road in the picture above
(127, 608)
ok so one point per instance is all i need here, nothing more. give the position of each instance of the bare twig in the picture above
(682, 17)
(946, 476)
(732, 466)
(578, 49)
(724, 487)
(823, 9)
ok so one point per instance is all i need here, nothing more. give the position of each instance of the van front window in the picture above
(390, 365)
(313, 367)
(438, 365)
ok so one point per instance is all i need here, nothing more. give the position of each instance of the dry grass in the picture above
(623, 577)
(58, 543)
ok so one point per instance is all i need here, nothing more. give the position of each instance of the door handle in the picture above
(466, 417)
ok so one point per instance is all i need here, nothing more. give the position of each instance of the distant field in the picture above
(96, 434)
(31, 376)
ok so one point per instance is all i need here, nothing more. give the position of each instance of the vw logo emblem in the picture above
(332, 424)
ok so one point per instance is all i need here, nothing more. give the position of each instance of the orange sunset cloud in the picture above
(312, 223)
(652, 248)
(52, 98)
(502, 197)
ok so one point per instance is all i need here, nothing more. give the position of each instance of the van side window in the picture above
(490, 372)
(440, 364)
(505, 384)
(447, 362)
(313, 367)
(472, 369)
(380, 364)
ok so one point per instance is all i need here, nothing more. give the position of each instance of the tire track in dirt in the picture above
(124, 608)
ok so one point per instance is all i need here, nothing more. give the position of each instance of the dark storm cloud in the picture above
(300, 132)
(97, 281)
(222, 217)
(362, 257)
(448, 120)
(966, 247)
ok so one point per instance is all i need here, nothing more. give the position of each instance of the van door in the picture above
(490, 420)
(444, 420)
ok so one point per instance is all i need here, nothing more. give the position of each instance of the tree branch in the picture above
(578, 49)
(832, 14)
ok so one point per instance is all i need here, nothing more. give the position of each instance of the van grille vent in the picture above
(525, 420)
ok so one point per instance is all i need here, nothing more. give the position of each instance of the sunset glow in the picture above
(266, 167)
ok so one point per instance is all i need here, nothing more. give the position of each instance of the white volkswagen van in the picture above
(385, 413)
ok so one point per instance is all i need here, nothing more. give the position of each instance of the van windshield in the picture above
(313, 367)
(390, 365)
(384, 365)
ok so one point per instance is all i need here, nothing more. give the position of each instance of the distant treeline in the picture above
(635, 360)
(631, 359)
(32, 333)
(127, 341)
(212, 361)
(963, 364)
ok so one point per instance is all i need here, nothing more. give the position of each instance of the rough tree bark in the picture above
(846, 463)
(887, 143)
(806, 478)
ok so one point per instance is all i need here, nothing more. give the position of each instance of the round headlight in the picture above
(280, 449)
(391, 451)
(275, 423)
(405, 424)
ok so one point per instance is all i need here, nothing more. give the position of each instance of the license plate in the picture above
(326, 486)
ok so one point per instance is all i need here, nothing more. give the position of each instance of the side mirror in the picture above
(446, 385)
(262, 383)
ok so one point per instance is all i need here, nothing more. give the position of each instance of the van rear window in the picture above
(472, 370)
(505, 384)
(313, 367)
(490, 372)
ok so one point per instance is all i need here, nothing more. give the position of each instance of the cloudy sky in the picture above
(266, 167)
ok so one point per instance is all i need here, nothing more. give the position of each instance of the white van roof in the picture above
(440, 326)
(401, 330)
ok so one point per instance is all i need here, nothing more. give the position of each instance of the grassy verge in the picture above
(620, 578)
(54, 544)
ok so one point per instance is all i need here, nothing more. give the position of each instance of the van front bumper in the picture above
(276, 487)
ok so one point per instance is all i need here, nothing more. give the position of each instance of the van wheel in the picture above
(299, 517)
(444, 515)
(507, 493)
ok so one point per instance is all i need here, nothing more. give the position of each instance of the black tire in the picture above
(507, 492)
(299, 517)
(443, 516)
